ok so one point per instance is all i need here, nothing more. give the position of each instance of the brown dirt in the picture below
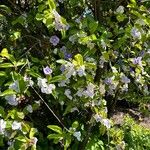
(119, 114)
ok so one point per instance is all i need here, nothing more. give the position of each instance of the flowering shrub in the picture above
(64, 67)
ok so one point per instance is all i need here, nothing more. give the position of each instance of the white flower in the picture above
(69, 69)
(48, 89)
(106, 123)
(98, 118)
(74, 109)
(80, 92)
(102, 89)
(77, 135)
(81, 71)
(63, 83)
(61, 1)
(101, 62)
(90, 90)
(28, 80)
(68, 94)
(2, 126)
(11, 100)
(90, 45)
(33, 141)
(29, 109)
(45, 87)
(125, 87)
(120, 10)
(136, 33)
(42, 82)
(140, 22)
(73, 38)
(56, 15)
(103, 44)
(16, 125)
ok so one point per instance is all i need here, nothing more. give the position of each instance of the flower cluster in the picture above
(45, 87)
(59, 25)
(105, 122)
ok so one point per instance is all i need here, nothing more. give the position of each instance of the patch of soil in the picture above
(133, 111)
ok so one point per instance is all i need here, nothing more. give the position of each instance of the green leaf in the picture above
(6, 65)
(2, 111)
(61, 61)
(5, 8)
(133, 1)
(106, 56)
(20, 115)
(79, 59)
(22, 138)
(57, 78)
(8, 92)
(67, 141)
(51, 4)
(2, 73)
(55, 128)
(39, 16)
(1, 60)
(4, 53)
(75, 124)
(55, 136)
(93, 26)
(21, 62)
(32, 132)
(90, 65)
(32, 73)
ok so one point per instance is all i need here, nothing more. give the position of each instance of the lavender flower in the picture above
(62, 68)
(47, 70)
(68, 55)
(136, 33)
(81, 71)
(98, 118)
(63, 49)
(125, 80)
(89, 92)
(11, 99)
(137, 61)
(106, 123)
(15, 86)
(54, 40)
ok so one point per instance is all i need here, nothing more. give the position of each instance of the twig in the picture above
(28, 50)
(49, 108)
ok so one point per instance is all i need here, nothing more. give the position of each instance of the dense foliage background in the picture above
(64, 67)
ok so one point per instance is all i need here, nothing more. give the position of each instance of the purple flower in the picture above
(47, 70)
(142, 53)
(108, 81)
(54, 40)
(137, 61)
(68, 55)
(62, 68)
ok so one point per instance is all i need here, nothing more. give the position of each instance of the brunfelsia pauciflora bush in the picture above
(60, 66)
